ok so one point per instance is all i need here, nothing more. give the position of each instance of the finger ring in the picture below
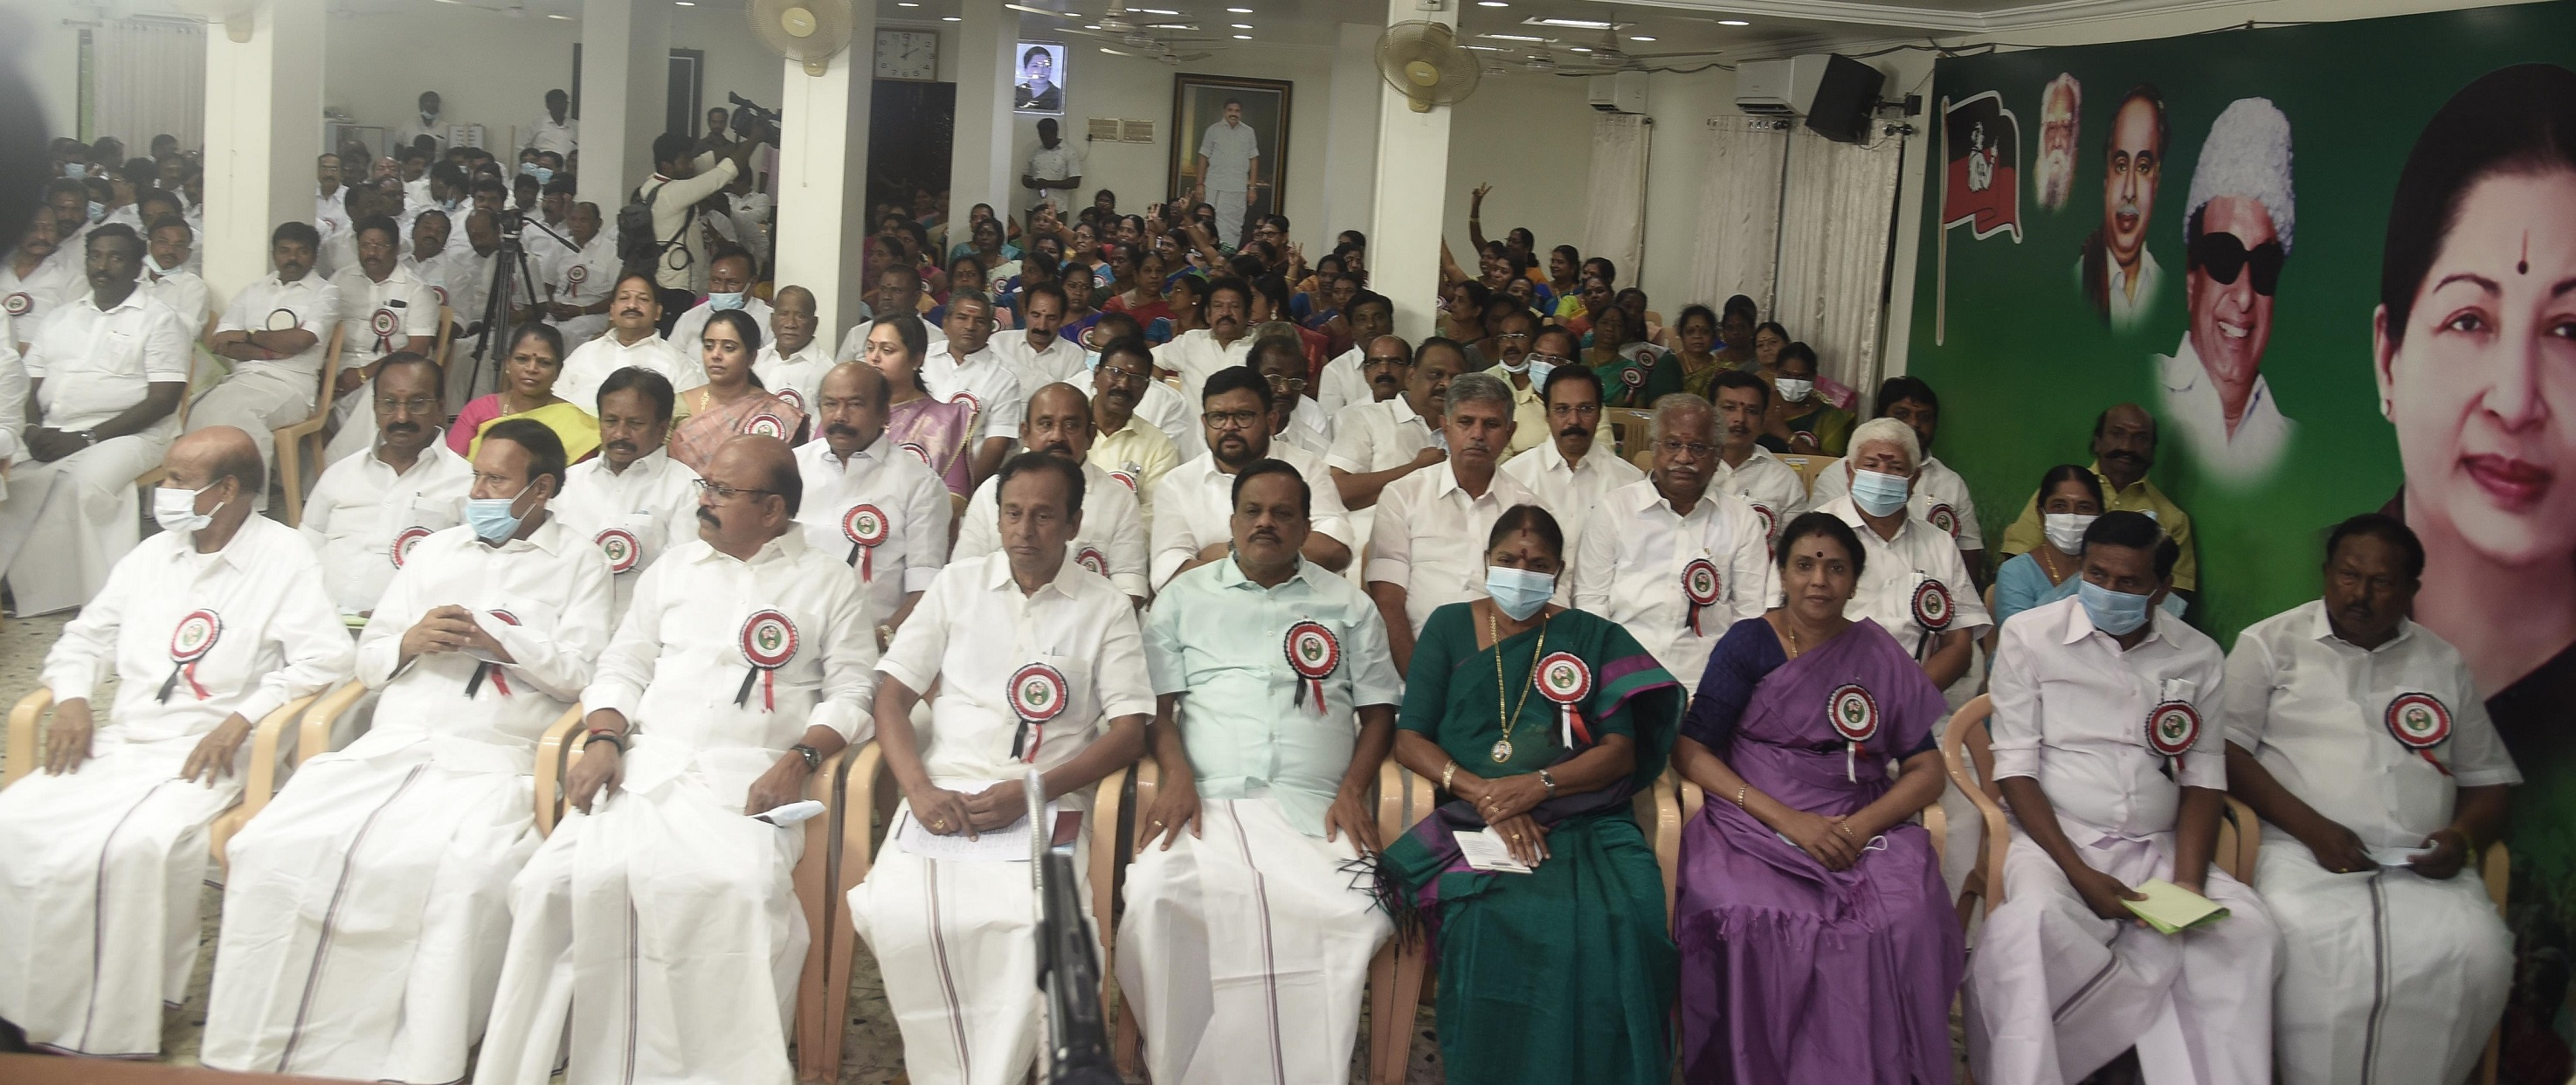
(1158, 824)
(940, 824)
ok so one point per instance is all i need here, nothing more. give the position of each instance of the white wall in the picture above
(487, 68)
(736, 60)
(1530, 136)
(49, 56)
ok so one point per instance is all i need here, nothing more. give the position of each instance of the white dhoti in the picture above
(257, 400)
(1229, 215)
(66, 523)
(100, 870)
(2054, 992)
(1245, 951)
(956, 942)
(366, 912)
(2388, 976)
(666, 925)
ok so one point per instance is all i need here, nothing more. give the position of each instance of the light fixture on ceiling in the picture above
(1486, 48)
(1491, 4)
(905, 4)
(1577, 24)
(1733, 22)
(1240, 11)
(1243, 37)
(1512, 37)
(1153, 11)
(1578, 49)
(951, 19)
(686, 3)
(1639, 37)
(566, 18)
(1243, 26)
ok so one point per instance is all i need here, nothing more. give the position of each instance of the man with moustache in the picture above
(2116, 272)
(898, 293)
(1193, 505)
(1225, 341)
(633, 313)
(274, 331)
(170, 247)
(632, 501)
(371, 507)
(878, 509)
(1745, 468)
(1111, 540)
(2124, 448)
(1565, 473)
(964, 364)
(1514, 331)
(1294, 418)
(1348, 381)
(2238, 230)
(384, 310)
(1384, 440)
(1134, 452)
(1034, 352)
(792, 362)
(1672, 557)
(578, 281)
(1160, 405)
(1940, 497)
(33, 284)
(1431, 552)
(2061, 110)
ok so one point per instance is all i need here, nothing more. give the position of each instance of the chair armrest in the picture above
(553, 760)
(1106, 855)
(2496, 869)
(1995, 836)
(260, 783)
(1390, 801)
(2239, 822)
(25, 722)
(1659, 812)
(314, 739)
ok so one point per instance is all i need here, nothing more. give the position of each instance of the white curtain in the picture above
(1615, 217)
(149, 78)
(1838, 207)
(1739, 219)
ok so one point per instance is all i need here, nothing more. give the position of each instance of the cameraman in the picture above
(678, 183)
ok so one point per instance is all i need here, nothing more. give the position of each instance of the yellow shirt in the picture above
(1141, 452)
(1529, 415)
(2026, 535)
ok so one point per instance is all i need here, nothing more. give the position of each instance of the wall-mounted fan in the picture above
(1423, 61)
(809, 32)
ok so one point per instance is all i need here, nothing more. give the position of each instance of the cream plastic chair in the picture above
(291, 439)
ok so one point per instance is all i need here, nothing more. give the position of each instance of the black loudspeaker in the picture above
(1845, 99)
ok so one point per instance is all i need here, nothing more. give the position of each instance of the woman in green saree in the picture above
(1542, 723)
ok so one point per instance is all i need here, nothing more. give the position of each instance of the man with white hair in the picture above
(2061, 111)
(2238, 230)
(1671, 557)
(1913, 583)
(792, 360)
(1431, 551)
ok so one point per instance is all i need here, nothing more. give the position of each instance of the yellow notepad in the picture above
(2170, 908)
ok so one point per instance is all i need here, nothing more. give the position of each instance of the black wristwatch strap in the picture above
(813, 757)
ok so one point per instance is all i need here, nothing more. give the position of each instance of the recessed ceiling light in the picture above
(1491, 4)
(1243, 26)
(1577, 24)
(1240, 11)
(1578, 49)
(1639, 37)
(1511, 37)
(905, 4)
(1488, 48)
(951, 19)
(1733, 22)
(1153, 11)
(1091, 26)
(566, 18)
(1243, 37)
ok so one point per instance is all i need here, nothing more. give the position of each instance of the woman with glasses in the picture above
(916, 421)
(528, 375)
(732, 402)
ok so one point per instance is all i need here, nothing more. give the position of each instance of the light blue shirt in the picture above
(1221, 641)
(2021, 584)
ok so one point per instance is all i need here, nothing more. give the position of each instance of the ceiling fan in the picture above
(1610, 56)
(1146, 32)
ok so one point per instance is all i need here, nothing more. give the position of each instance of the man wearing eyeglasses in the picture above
(1194, 504)
(1566, 473)
(1514, 335)
(2238, 226)
(1133, 447)
(372, 506)
(1674, 558)
(1294, 416)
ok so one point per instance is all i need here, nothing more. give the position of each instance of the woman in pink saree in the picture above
(916, 421)
(731, 403)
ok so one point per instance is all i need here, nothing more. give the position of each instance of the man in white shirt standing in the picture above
(1912, 582)
(1745, 468)
(1347, 381)
(1670, 556)
(1570, 471)
(1041, 666)
(1033, 351)
(1111, 541)
(1194, 504)
(275, 331)
(631, 341)
(1225, 342)
(632, 501)
(728, 287)
(2105, 752)
(1054, 169)
(105, 378)
(555, 131)
(371, 508)
(1229, 164)
(963, 364)
(427, 122)
(2360, 739)
(577, 282)
(1940, 497)
(1429, 549)
(792, 362)
(881, 511)
(671, 781)
(385, 310)
(166, 278)
(207, 627)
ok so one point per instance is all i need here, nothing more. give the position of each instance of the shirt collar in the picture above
(134, 299)
(786, 547)
(997, 576)
(645, 466)
(1230, 575)
(437, 449)
(2321, 629)
(2144, 487)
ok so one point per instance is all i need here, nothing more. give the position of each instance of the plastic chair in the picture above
(1632, 425)
(1967, 751)
(259, 781)
(291, 438)
(1396, 975)
(1809, 466)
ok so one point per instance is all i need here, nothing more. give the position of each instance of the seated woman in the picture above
(2069, 498)
(732, 402)
(1699, 357)
(1801, 419)
(1818, 942)
(1563, 974)
(1633, 373)
(916, 421)
(528, 373)
(1768, 338)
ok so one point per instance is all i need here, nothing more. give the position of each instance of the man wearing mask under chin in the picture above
(728, 287)
(1426, 557)
(1513, 335)
(1801, 421)
(1913, 583)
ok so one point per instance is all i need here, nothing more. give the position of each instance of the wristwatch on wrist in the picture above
(1548, 781)
(813, 758)
(89, 438)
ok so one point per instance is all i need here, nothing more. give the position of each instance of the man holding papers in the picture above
(2360, 738)
(2115, 773)
(1039, 665)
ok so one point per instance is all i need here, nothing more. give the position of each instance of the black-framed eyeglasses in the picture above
(1116, 372)
(1696, 449)
(414, 405)
(1231, 419)
(2224, 256)
(1282, 383)
(723, 492)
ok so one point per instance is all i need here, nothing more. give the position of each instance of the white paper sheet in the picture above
(1008, 844)
(1485, 850)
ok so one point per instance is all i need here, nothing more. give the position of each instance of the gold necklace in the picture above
(1502, 751)
(2049, 566)
(1791, 625)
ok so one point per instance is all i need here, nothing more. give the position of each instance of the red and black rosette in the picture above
(618, 545)
(918, 452)
(1634, 376)
(866, 528)
(1943, 517)
(765, 424)
(1564, 678)
(2419, 722)
(1853, 714)
(1932, 609)
(195, 636)
(384, 323)
(441, 291)
(768, 642)
(1038, 694)
(19, 303)
(1314, 653)
(2173, 728)
(1700, 587)
(968, 398)
(1089, 557)
(487, 667)
(1125, 479)
(404, 540)
(792, 398)
(1770, 520)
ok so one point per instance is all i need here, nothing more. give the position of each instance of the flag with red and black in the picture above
(1982, 143)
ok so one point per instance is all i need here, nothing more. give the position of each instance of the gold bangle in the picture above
(1740, 791)
(1447, 774)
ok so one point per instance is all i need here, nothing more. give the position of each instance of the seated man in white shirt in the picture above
(630, 341)
(578, 282)
(963, 364)
(1913, 583)
(166, 276)
(1156, 404)
(1377, 442)
(1348, 380)
(371, 508)
(1265, 792)
(693, 980)
(1427, 548)
(898, 291)
(1671, 557)
(207, 627)
(105, 377)
(1295, 419)
(1572, 469)
(1940, 497)
(1111, 541)
(2114, 777)
(1041, 666)
(1745, 468)
(633, 501)
(728, 287)
(36, 279)
(1193, 505)
(275, 331)
(882, 511)
(1134, 452)
(792, 361)
(1225, 340)
(1033, 352)
(2395, 966)
(365, 910)
(385, 309)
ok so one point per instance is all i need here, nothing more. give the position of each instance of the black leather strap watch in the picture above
(813, 757)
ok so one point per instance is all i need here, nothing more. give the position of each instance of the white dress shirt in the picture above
(1111, 542)
(974, 629)
(2314, 710)
(1893, 574)
(1001, 402)
(653, 504)
(95, 364)
(1631, 571)
(374, 313)
(1194, 506)
(1571, 492)
(1379, 436)
(592, 362)
(547, 134)
(2072, 710)
(1308, 428)
(2189, 398)
(1773, 488)
(1939, 498)
(687, 332)
(1229, 148)
(1062, 360)
(271, 304)
(583, 277)
(1433, 544)
(1343, 385)
(364, 517)
(13, 403)
(183, 292)
(32, 299)
(1196, 355)
(911, 501)
(797, 378)
(553, 586)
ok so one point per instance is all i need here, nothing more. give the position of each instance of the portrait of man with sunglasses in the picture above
(2237, 231)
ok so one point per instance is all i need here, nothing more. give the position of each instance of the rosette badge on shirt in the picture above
(404, 540)
(2173, 727)
(1564, 678)
(2420, 722)
(195, 636)
(1089, 557)
(1933, 610)
(768, 642)
(384, 323)
(18, 304)
(766, 424)
(1943, 517)
(865, 526)
(1038, 694)
(489, 668)
(1314, 654)
(1853, 714)
(618, 545)
(1700, 586)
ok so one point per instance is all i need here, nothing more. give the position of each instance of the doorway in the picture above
(688, 83)
(911, 127)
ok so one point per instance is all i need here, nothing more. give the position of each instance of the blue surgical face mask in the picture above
(75, 170)
(97, 211)
(1538, 371)
(494, 519)
(1091, 361)
(722, 302)
(1877, 492)
(541, 173)
(2115, 612)
(1519, 592)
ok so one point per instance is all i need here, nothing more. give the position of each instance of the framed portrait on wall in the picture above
(1038, 85)
(1230, 147)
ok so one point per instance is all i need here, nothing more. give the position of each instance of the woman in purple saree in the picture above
(1818, 943)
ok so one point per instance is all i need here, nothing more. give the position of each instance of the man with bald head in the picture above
(792, 361)
(1111, 540)
(207, 627)
(2125, 439)
(672, 777)
(632, 501)
(878, 509)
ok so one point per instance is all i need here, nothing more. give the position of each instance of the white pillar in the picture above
(263, 131)
(1412, 183)
(980, 169)
(625, 79)
(1350, 141)
(822, 182)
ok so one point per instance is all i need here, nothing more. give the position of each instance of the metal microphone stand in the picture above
(1077, 1046)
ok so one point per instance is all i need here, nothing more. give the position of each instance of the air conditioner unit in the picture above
(1835, 93)
(1619, 92)
(1779, 88)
